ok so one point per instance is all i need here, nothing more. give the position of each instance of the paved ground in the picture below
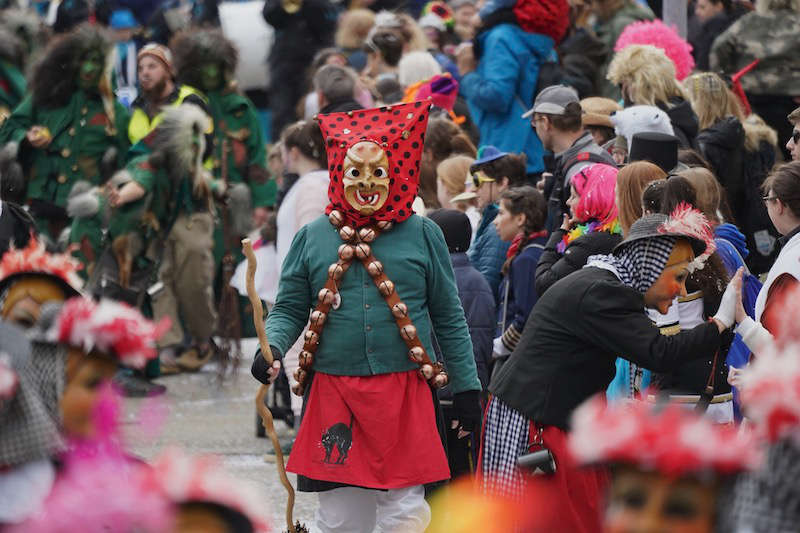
(205, 417)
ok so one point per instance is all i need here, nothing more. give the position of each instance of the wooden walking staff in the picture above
(261, 406)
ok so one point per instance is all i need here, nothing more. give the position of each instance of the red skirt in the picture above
(570, 500)
(370, 431)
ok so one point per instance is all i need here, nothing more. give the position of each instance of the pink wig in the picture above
(596, 185)
(660, 35)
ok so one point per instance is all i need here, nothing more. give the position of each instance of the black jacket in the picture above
(722, 145)
(479, 309)
(338, 107)
(708, 31)
(553, 266)
(572, 339)
(684, 121)
(16, 227)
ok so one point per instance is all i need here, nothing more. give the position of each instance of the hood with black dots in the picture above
(399, 132)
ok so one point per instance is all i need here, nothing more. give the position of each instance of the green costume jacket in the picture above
(164, 199)
(361, 337)
(238, 132)
(12, 88)
(81, 133)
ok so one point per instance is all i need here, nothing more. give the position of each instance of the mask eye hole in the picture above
(380, 172)
(352, 173)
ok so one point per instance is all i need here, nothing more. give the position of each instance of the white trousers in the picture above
(356, 510)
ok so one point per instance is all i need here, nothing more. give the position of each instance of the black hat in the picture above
(456, 228)
(658, 148)
(651, 226)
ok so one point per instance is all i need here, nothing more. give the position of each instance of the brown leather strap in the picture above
(357, 246)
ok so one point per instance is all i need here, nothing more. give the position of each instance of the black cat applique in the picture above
(340, 436)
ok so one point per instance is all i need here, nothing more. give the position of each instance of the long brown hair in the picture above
(631, 181)
(530, 202)
(443, 138)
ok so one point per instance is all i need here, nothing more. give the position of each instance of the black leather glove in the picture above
(467, 409)
(259, 368)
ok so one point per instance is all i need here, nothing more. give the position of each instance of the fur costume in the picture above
(193, 49)
(54, 77)
(178, 144)
(12, 81)
(12, 48)
(27, 26)
(84, 129)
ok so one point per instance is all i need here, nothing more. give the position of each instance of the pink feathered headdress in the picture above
(674, 442)
(111, 327)
(596, 186)
(661, 36)
(34, 259)
(184, 478)
(689, 221)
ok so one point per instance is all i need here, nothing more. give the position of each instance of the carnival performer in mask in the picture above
(31, 277)
(670, 469)
(207, 60)
(29, 437)
(559, 363)
(378, 283)
(161, 229)
(70, 127)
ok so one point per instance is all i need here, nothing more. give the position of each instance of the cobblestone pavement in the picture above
(205, 417)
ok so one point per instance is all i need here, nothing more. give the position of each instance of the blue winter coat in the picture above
(502, 88)
(488, 251)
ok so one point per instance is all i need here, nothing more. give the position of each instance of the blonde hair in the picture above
(452, 172)
(711, 99)
(708, 191)
(768, 6)
(354, 26)
(648, 74)
(631, 182)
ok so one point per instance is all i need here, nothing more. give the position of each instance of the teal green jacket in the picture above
(361, 337)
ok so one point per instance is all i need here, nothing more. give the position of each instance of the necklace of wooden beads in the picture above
(357, 246)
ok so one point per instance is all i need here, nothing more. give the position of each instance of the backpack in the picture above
(557, 201)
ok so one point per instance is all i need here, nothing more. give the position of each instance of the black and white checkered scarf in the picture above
(639, 264)
(28, 431)
(769, 498)
(505, 439)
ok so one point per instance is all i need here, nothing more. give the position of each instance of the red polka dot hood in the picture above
(374, 160)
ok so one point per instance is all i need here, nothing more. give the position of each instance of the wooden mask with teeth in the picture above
(373, 160)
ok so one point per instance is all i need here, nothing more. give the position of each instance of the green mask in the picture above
(210, 77)
(91, 68)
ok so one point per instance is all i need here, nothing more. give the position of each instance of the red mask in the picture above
(373, 159)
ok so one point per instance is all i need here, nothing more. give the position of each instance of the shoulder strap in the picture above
(585, 157)
(533, 245)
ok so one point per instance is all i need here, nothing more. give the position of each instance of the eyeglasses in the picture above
(478, 180)
(769, 198)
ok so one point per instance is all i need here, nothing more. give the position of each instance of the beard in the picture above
(154, 93)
